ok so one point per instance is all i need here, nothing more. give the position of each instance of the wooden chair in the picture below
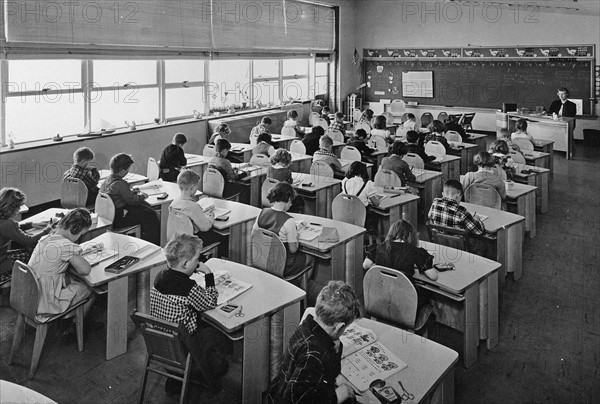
(401, 133)
(389, 119)
(179, 223)
(524, 144)
(467, 121)
(335, 135)
(266, 187)
(209, 150)
(379, 142)
(455, 117)
(362, 125)
(448, 236)
(442, 117)
(387, 177)
(484, 195)
(269, 255)
(435, 148)
(350, 153)
(414, 160)
(166, 355)
(397, 107)
(390, 297)
(321, 169)
(297, 147)
(452, 136)
(288, 131)
(312, 117)
(356, 114)
(404, 117)
(24, 299)
(213, 184)
(426, 119)
(153, 170)
(73, 193)
(517, 157)
(349, 209)
(322, 123)
(105, 208)
(260, 160)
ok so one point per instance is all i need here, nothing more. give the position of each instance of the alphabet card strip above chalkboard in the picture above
(519, 51)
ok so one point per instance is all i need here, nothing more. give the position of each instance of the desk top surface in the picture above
(474, 136)
(130, 178)
(446, 159)
(154, 188)
(393, 200)
(318, 182)
(51, 213)
(240, 212)
(542, 142)
(514, 189)
(196, 159)
(345, 231)
(496, 219)
(534, 154)
(268, 295)
(426, 175)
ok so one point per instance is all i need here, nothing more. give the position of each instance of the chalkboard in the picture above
(484, 84)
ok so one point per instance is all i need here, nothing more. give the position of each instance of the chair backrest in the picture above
(153, 170)
(25, 290)
(321, 122)
(397, 107)
(335, 135)
(105, 207)
(320, 168)
(401, 133)
(456, 117)
(389, 119)
(467, 119)
(266, 187)
(442, 116)
(253, 139)
(162, 340)
(350, 153)
(387, 177)
(362, 125)
(209, 150)
(517, 157)
(448, 236)
(414, 160)
(452, 136)
(213, 183)
(178, 223)
(484, 195)
(288, 131)
(426, 119)
(390, 297)
(268, 252)
(349, 209)
(404, 117)
(312, 117)
(297, 147)
(73, 193)
(435, 148)
(379, 142)
(356, 114)
(261, 160)
(524, 144)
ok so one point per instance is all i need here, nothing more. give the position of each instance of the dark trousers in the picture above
(143, 215)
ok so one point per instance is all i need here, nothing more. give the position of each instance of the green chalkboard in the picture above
(484, 84)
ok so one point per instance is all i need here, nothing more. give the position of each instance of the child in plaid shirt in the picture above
(81, 169)
(338, 124)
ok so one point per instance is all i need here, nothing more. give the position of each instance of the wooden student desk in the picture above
(479, 140)
(507, 228)
(269, 295)
(198, 164)
(161, 205)
(520, 199)
(375, 158)
(466, 152)
(238, 227)
(449, 167)
(429, 184)
(318, 197)
(537, 159)
(242, 151)
(300, 163)
(395, 207)
(345, 258)
(254, 180)
(131, 178)
(101, 226)
(546, 146)
(538, 178)
(118, 304)
(283, 141)
(467, 297)
(347, 163)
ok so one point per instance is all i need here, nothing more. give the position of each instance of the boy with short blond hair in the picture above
(82, 170)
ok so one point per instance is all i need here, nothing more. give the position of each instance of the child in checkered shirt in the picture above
(81, 169)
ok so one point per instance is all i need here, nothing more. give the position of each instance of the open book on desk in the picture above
(150, 189)
(220, 213)
(95, 252)
(247, 167)
(308, 231)
(229, 288)
(364, 359)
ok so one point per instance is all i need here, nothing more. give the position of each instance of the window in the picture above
(295, 79)
(117, 73)
(229, 83)
(184, 84)
(114, 107)
(181, 102)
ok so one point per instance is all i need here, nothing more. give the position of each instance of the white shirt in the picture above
(352, 185)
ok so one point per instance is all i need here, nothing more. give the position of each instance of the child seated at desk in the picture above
(280, 166)
(505, 136)
(312, 361)
(447, 211)
(11, 200)
(411, 122)
(292, 118)
(311, 140)
(436, 132)
(324, 154)
(263, 145)
(277, 220)
(380, 129)
(222, 131)
(338, 124)
(261, 127)
(221, 163)
(359, 141)
(325, 114)
(487, 173)
(81, 169)
(452, 124)
(173, 158)
(177, 298)
(397, 165)
(521, 132)
(413, 145)
(187, 203)
(367, 117)
(50, 261)
(358, 183)
(500, 150)
(131, 207)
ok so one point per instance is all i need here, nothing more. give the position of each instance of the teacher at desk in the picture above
(562, 106)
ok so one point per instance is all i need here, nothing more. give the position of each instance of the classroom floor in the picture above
(549, 349)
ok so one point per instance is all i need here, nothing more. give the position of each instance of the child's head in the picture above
(281, 156)
(326, 143)
(83, 155)
(399, 148)
(453, 190)
(337, 307)
(292, 114)
(326, 110)
(501, 147)
(11, 200)
(411, 117)
(437, 127)
(266, 121)
(264, 137)
(281, 192)
(504, 133)
(182, 253)
(484, 159)
(77, 222)
(380, 122)
(318, 131)
(222, 147)
(522, 125)
(360, 134)
(403, 231)
(412, 136)
(339, 116)
(120, 162)
(187, 180)
(223, 129)
(179, 139)
(358, 169)
(367, 115)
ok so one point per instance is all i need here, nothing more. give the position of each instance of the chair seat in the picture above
(60, 315)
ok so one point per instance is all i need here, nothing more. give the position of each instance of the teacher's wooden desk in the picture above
(466, 297)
